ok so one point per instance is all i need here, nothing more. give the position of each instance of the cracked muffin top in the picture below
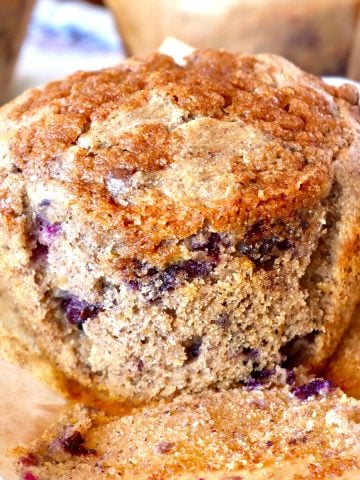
(152, 152)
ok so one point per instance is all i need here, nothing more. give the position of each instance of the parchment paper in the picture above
(26, 408)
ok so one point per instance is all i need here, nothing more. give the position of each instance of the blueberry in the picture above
(188, 269)
(45, 232)
(195, 269)
(290, 377)
(164, 447)
(211, 243)
(312, 389)
(78, 311)
(258, 378)
(263, 253)
(39, 252)
(29, 476)
(74, 444)
(29, 460)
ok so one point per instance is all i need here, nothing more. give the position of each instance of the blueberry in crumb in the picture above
(78, 311)
(29, 476)
(74, 444)
(258, 378)
(45, 232)
(313, 388)
(164, 447)
(29, 460)
(290, 377)
(39, 252)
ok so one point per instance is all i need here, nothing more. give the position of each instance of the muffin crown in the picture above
(152, 152)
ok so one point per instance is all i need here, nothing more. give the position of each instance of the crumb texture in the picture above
(172, 228)
(214, 435)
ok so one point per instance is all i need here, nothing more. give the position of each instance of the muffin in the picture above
(353, 70)
(171, 228)
(308, 431)
(344, 366)
(315, 35)
(14, 17)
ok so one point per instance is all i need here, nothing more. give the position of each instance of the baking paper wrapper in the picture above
(26, 408)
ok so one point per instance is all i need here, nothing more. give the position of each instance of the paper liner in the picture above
(26, 408)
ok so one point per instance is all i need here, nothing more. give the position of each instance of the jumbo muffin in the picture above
(344, 366)
(315, 35)
(168, 228)
(308, 431)
(14, 18)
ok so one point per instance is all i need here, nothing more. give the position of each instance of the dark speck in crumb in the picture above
(300, 439)
(223, 320)
(193, 348)
(164, 447)
(140, 365)
(39, 252)
(250, 352)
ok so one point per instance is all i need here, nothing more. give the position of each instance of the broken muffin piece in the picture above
(235, 434)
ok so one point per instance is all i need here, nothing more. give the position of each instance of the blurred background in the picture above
(46, 39)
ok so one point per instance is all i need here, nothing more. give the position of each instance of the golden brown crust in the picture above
(296, 132)
(215, 435)
(344, 367)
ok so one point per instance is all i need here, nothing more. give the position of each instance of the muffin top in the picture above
(152, 152)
